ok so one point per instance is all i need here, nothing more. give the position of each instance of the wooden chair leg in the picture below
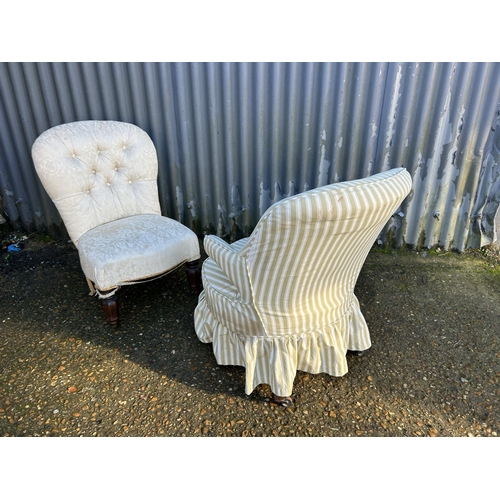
(193, 270)
(110, 307)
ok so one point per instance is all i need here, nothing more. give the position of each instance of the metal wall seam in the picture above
(233, 138)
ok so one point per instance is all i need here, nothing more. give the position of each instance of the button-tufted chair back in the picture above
(102, 177)
(96, 172)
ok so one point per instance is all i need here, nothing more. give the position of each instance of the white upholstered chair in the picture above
(283, 299)
(102, 177)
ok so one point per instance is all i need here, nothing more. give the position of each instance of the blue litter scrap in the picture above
(13, 243)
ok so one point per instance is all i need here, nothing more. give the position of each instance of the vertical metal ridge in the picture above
(234, 138)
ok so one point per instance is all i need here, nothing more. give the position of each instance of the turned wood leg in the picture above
(110, 307)
(193, 270)
(282, 400)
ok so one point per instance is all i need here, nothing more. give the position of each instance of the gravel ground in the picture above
(433, 369)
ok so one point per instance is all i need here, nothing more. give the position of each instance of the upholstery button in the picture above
(98, 151)
(130, 182)
(116, 168)
(93, 171)
(108, 183)
(73, 155)
(88, 191)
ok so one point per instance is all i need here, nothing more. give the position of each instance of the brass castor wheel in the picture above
(356, 353)
(285, 401)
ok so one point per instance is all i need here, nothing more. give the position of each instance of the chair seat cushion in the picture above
(135, 248)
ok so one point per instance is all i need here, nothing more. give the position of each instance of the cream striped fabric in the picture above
(283, 300)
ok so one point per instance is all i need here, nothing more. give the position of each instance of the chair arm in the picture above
(232, 263)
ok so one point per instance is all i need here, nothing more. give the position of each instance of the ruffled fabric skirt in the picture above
(267, 359)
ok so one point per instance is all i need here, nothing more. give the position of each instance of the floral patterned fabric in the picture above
(135, 248)
(96, 172)
(283, 300)
(102, 177)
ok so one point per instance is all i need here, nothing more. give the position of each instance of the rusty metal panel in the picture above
(442, 130)
(233, 138)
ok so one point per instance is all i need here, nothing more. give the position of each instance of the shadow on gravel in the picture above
(50, 295)
(433, 369)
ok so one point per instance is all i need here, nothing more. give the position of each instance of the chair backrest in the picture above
(305, 254)
(96, 172)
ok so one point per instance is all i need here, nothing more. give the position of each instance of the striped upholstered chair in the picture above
(283, 299)
(102, 178)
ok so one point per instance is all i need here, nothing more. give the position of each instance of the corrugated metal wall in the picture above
(233, 138)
